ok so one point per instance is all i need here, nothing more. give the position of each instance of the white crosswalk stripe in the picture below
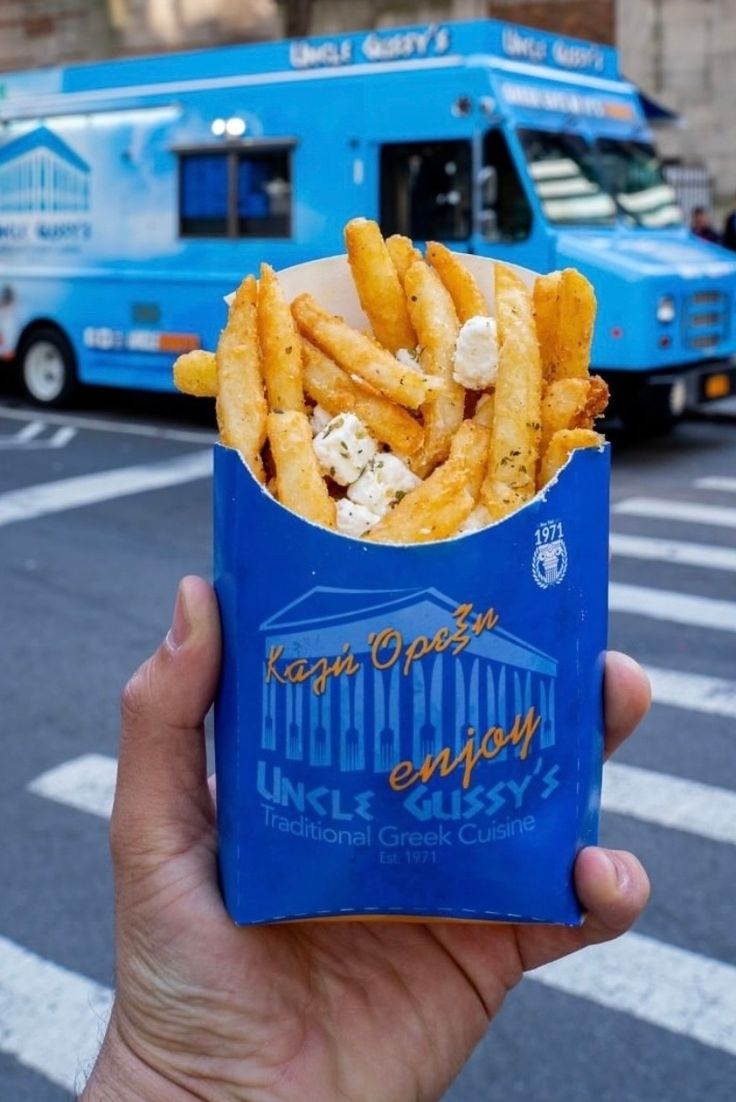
(674, 802)
(676, 608)
(716, 482)
(86, 783)
(660, 509)
(672, 988)
(694, 692)
(674, 551)
(51, 1020)
(71, 493)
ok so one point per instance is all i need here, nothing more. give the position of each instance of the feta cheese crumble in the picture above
(343, 448)
(352, 519)
(476, 354)
(384, 482)
(320, 419)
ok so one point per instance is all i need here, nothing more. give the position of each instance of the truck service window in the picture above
(505, 211)
(634, 177)
(426, 190)
(235, 193)
(563, 168)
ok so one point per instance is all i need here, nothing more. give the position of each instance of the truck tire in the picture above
(47, 365)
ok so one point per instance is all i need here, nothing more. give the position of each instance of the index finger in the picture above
(627, 696)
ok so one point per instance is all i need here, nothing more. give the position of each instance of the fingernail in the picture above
(179, 630)
(620, 871)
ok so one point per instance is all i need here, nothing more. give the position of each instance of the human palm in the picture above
(305, 1012)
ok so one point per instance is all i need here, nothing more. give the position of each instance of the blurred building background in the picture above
(681, 52)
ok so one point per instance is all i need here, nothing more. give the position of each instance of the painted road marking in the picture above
(672, 988)
(51, 1020)
(31, 437)
(671, 802)
(29, 432)
(686, 554)
(86, 783)
(675, 608)
(71, 493)
(693, 692)
(99, 424)
(716, 482)
(656, 509)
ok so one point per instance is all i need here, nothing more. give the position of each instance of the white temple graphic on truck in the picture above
(374, 718)
(39, 173)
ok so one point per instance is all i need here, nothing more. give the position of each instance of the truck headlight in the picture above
(666, 309)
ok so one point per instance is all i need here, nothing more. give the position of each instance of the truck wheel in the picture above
(47, 367)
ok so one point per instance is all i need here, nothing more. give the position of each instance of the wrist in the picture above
(121, 1076)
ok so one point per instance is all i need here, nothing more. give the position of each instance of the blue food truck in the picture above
(135, 193)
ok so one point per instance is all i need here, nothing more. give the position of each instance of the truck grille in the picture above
(706, 319)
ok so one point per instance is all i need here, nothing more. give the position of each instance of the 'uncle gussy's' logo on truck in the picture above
(359, 681)
(44, 191)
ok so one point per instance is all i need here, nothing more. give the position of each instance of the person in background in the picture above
(302, 1012)
(700, 225)
(729, 232)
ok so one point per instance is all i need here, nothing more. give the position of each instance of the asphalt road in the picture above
(87, 592)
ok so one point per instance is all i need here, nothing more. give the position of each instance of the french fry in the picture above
(241, 403)
(464, 290)
(337, 392)
(500, 500)
(357, 354)
(516, 423)
(195, 373)
(281, 349)
(402, 252)
(435, 321)
(433, 511)
(561, 445)
(469, 450)
(546, 296)
(564, 307)
(575, 326)
(485, 408)
(299, 483)
(571, 404)
(378, 285)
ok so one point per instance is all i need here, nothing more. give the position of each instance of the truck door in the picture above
(426, 191)
(506, 227)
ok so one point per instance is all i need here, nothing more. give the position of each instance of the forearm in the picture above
(120, 1076)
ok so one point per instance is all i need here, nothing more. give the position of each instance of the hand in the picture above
(365, 1011)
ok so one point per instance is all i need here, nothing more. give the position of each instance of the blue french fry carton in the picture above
(408, 731)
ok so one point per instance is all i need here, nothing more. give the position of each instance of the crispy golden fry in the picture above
(281, 345)
(359, 355)
(485, 408)
(464, 291)
(469, 449)
(561, 445)
(337, 392)
(546, 319)
(436, 324)
(500, 500)
(241, 404)
(564, 305)
(402, 252)
(433, 511)
(516, 424)
(575, 327)
(196, 373)
(378, 285)
(299, 483)
(571, 404)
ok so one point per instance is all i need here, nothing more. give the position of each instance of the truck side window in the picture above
(426, 190)
(235, 193)
(505, 211)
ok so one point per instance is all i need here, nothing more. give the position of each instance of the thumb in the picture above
(162, 802)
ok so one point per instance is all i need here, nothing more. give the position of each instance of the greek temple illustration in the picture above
(383, 699)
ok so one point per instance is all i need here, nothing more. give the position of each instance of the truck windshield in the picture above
(583, 183)
(633, 175)
(567, 179)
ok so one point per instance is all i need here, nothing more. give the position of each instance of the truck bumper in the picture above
(665, 395)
